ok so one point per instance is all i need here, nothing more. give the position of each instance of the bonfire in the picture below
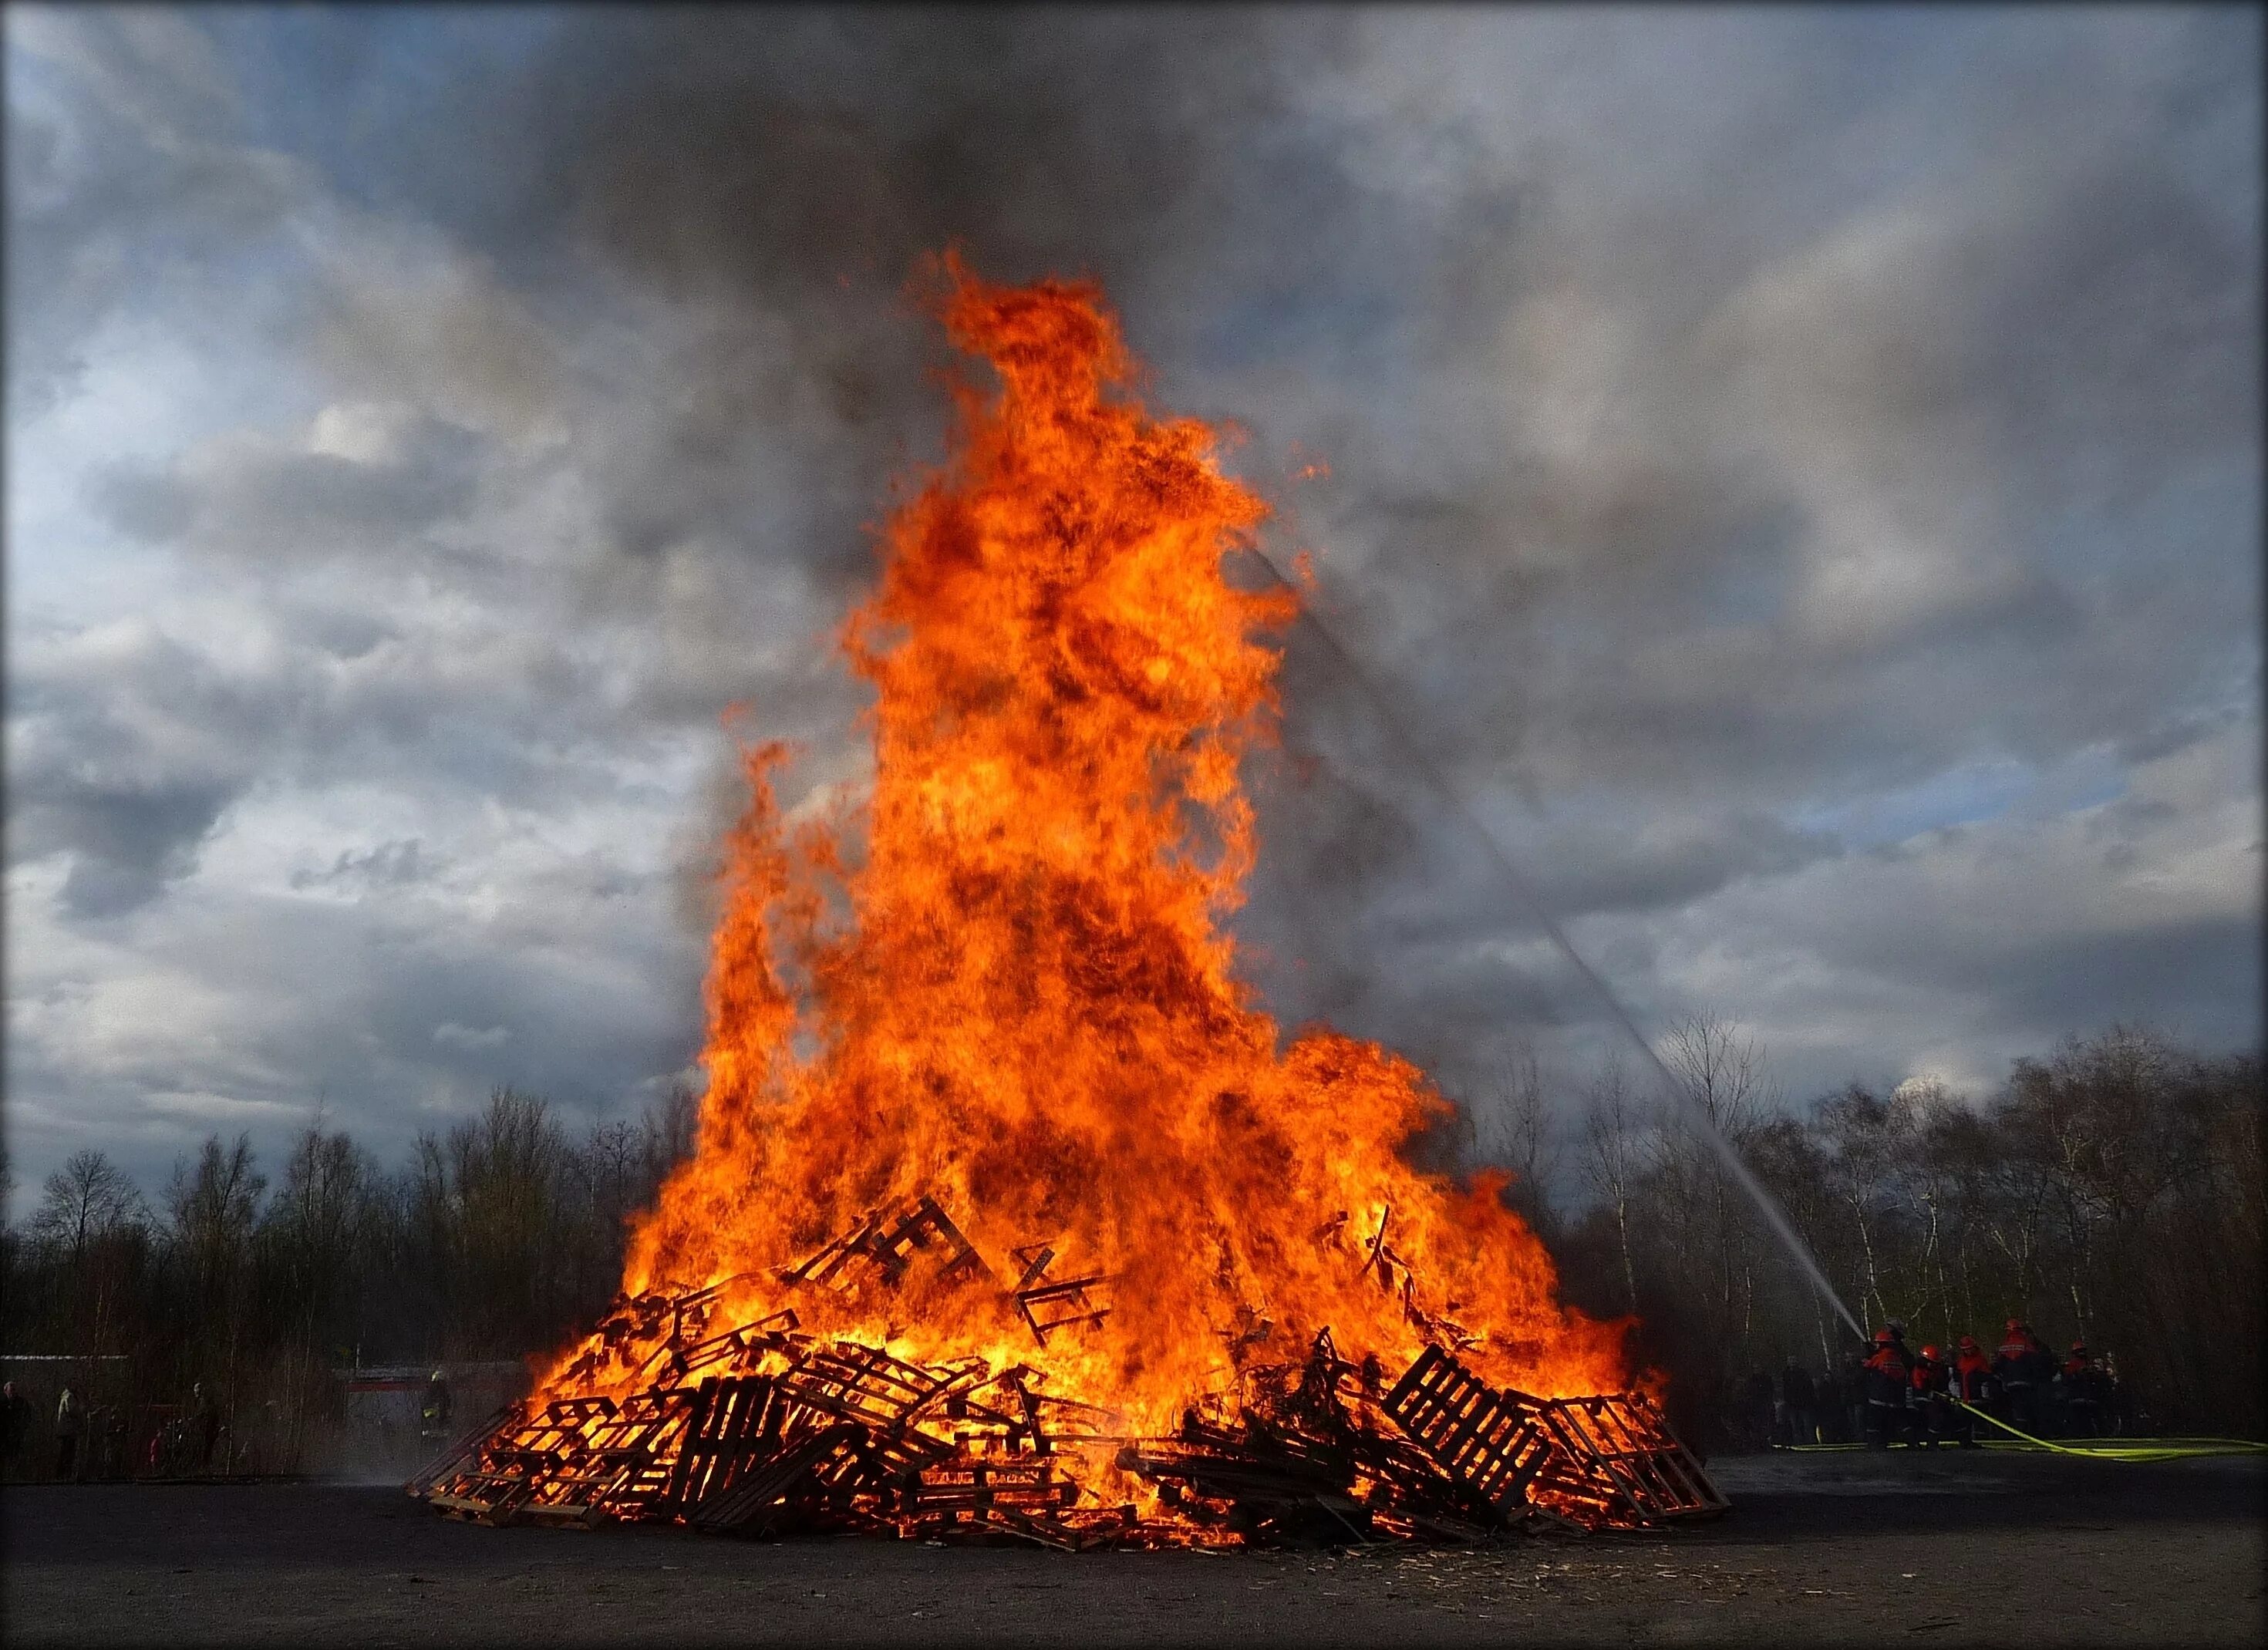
(1014, 1215)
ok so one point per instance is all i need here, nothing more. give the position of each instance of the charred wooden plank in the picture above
(747, 1504)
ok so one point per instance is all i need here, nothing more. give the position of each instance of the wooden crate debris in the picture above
(760, 1429)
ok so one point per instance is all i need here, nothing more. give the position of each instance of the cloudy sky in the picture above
(1798, 471)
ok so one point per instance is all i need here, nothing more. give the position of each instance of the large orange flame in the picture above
(1005, 981)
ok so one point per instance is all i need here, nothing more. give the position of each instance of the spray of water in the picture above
(1439, 779)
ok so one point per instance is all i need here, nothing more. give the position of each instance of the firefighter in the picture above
(1888, 1376)
(433, 1413)
(1908, 1416)
(1972, 1382)
(1933, 1385)
(2015, 1368)
(2080, 1383)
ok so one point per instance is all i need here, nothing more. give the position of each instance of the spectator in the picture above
(204, 1426)
(15, 1423)
(1796, 1409)
(111, 1443)
(70, 1421)
(1757, 1399)
(1854, 1398)
(2117, 1401)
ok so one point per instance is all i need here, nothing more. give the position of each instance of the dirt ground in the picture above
(1974, 1548)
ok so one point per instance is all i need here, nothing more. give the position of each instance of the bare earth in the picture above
(1977, 1547)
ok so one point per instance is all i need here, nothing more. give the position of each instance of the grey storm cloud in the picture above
(1734, 421)
(124, 754)
(298, 505)
(388, 865)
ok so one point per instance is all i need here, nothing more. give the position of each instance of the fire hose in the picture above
(2150, 1450)
(2155, 1449)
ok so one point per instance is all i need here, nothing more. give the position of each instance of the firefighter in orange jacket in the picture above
(1972, 1382)
(2015, 1371)
(1888, 1376)
(1933, 1388)
(2081, 1383)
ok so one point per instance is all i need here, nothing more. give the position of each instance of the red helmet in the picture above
(2015, 1324)
(1929, 1352)
(1882, 1337)
(2079, 1347)
(1969, 1343)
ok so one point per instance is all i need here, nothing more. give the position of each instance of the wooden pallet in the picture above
(1472, 1432)
(887, 1246)
(750, 1503)
(1616, 1462)
(733, 1425)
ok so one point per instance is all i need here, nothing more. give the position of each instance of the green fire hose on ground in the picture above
(2095, 1449)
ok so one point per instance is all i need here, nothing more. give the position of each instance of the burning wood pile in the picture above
(998, 976)
(761, 1429)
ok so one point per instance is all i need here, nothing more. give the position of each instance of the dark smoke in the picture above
(1783, 306)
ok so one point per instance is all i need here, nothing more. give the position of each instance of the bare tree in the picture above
(94, 1218)
(85, 1200)
(1611, 1157)
(1721, 1072)
(309, 1237)
(214, 1208)
(1518, 1133)
(668, 1133)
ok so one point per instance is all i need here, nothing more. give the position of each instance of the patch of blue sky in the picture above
(45, 87)
(393, 107)
(150, 392)
(321, 83)
(1971, 793)
(1277, 324)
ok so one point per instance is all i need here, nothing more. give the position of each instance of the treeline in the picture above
(493, 1239)
(2111, 1192)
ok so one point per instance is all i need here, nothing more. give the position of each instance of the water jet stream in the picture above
(1435, 775)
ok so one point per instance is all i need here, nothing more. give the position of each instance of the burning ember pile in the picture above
(1009, 1216)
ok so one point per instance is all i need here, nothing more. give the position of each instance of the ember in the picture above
(999, 993)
